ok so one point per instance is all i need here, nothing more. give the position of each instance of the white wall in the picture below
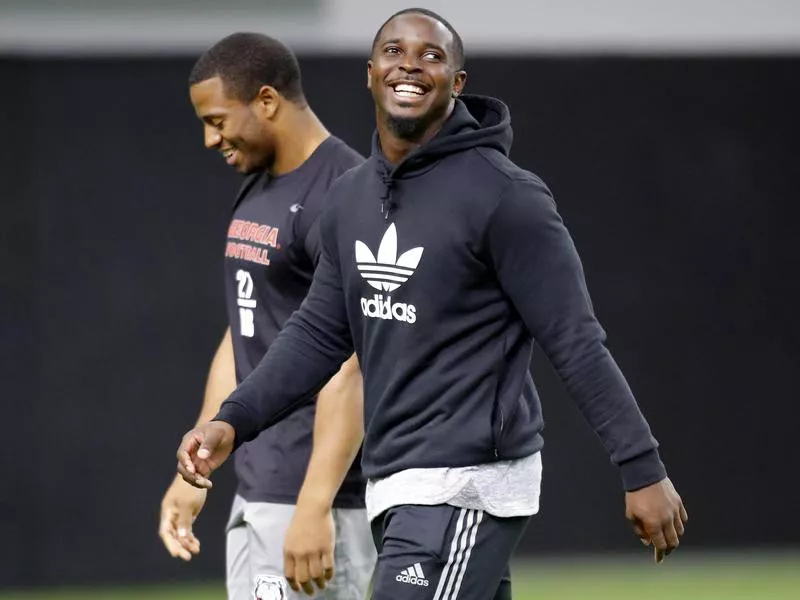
(626, 26)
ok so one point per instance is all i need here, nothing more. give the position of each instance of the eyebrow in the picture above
(427, 44)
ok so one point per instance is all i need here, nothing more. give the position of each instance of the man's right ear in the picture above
(369, 74)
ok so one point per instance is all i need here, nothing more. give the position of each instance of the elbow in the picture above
(347, 380)
(350, 367)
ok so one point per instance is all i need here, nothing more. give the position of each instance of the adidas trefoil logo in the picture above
(412, 575)
(386, 273)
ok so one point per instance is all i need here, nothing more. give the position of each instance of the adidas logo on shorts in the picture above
(412, 575)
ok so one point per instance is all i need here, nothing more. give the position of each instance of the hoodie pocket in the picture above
(506, 402)
(498, 411)
(498, 422)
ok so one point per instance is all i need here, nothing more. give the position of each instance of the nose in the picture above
(410, 63)
(211, 136)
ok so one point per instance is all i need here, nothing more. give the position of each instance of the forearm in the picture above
(309, 350)
(338, 433)
(221, 380)
(600, 391)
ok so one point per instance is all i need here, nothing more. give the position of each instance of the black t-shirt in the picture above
(270, 255)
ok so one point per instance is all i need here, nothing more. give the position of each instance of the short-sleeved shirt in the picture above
(270, 255)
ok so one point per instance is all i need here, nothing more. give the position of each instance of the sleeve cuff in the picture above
(240, 423)
(641, 471)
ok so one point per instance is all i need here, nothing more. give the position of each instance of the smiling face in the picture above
(414, 75)
(239, 130)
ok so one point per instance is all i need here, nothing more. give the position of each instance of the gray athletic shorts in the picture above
(254, 553)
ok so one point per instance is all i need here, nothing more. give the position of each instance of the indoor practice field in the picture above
(688, 577)
(557, 237)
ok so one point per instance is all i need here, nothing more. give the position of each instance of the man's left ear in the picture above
(459, 83)
(268, 101)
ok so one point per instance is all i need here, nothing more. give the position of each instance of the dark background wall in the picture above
(677, 178)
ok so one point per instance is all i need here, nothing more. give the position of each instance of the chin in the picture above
(250, 167)
(407, 126)
(246, 169)
(418, 113)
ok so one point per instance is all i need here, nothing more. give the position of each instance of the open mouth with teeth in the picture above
(230, 155)
(409, 90)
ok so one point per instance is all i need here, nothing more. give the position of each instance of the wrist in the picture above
(227, 429)
(238, 424)
(314, 500)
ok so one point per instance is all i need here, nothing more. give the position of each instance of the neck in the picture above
(299, 134)
(396, 148)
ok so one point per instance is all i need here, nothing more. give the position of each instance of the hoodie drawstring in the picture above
(386, 196)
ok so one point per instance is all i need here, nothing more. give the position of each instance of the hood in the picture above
(476, 121)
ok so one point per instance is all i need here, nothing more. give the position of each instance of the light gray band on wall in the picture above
(347, 26)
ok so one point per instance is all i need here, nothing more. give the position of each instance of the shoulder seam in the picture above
(523, 174)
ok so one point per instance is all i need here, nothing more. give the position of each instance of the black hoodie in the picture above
(441, 272)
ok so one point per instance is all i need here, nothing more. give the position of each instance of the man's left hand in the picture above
(657, 516)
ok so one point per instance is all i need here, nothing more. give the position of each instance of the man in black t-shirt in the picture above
(247, 91)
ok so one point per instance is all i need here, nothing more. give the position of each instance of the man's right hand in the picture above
(179, 509)
(203, 450)
(308, 548)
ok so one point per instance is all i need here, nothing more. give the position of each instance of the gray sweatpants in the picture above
(254, 551)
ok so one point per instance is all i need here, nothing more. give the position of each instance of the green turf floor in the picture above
(754, 577)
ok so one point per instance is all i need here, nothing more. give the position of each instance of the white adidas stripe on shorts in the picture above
(460, 551)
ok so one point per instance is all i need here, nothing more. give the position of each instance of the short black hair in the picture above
(247, 61)
(458, 45)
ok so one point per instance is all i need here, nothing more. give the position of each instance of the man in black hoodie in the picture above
(442, 262)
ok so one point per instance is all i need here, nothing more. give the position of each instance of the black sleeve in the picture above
(538, 267)
(308, 351)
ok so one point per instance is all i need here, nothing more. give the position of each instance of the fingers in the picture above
(186, 467)
(640, 532)
(678, 524)
(316, 572)
(658, 539)
(189, 445)
(681, 519)
(659, 545)
(168, 534)
(185, 535)
(308, 572)
(664, 539)
(192, 466)
(671, 536)
(188, 540)
(289, 571)
(188, 476)
(193, 478)
(327, 565)
(302, 576)
(208, 444)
